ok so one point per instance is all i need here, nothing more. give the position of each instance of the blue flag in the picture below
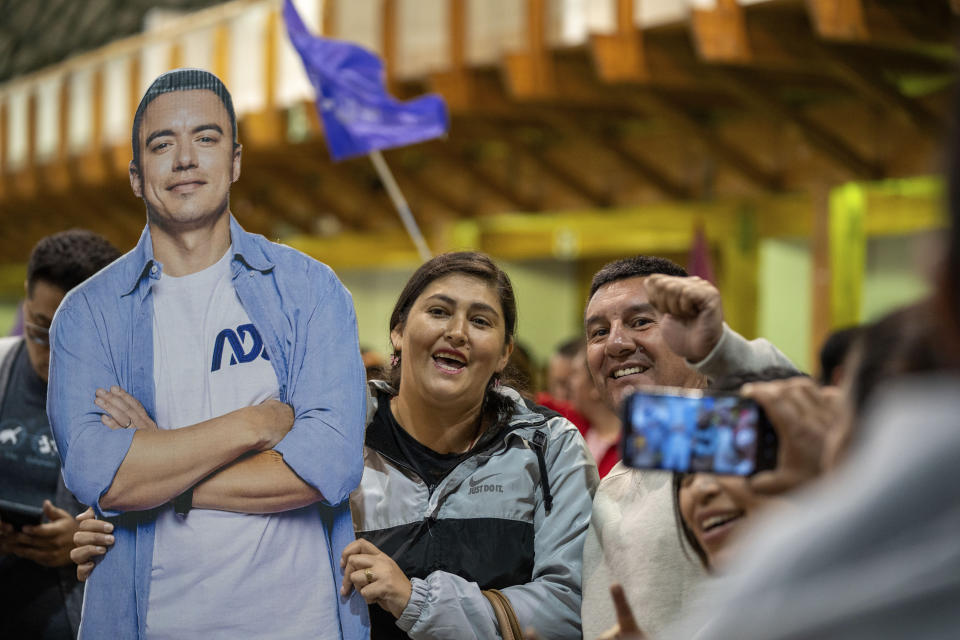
(358, 114)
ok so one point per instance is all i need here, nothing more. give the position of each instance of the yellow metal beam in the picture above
(848, 253)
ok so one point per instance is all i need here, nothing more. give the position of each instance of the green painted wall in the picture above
(893, 277)
(783, 295)
(894, 273)
(8, 315)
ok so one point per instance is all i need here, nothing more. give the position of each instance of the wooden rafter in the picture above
(888, 23)
(869, 83)
(546, 163)
(420, 181)
(530, 73)
(621, 56)
(484, 177)
(818, 137)
(663, 107)
(609, 141)
(780, 37)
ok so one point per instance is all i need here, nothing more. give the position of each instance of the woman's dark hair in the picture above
(496, 407)
(730, 383)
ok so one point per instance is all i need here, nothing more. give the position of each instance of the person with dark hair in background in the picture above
(467, 486)
(207, 397)
(38, 585)
(373, 363)
(834, 353)
(600, 425)
(559, 368)
(647, 323)
(522, 370)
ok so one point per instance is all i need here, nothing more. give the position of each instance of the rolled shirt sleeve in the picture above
(328, 395)
(90, 451)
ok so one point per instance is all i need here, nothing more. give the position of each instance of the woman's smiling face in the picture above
(714, 508)
(452, 340)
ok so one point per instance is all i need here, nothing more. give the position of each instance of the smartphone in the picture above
(19, 514)
(692, 430)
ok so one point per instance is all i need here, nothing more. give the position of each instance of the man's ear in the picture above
(135, 182)
(236, 162)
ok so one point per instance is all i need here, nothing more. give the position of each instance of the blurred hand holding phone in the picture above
(691, 430)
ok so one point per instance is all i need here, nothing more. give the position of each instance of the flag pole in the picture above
(400, 203)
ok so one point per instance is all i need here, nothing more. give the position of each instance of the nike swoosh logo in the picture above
(474, 483)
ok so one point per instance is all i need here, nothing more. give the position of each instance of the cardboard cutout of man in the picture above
(207, 396)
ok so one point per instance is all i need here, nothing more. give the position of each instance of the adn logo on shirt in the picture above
(236, 340)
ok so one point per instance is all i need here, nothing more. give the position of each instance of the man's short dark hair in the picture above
(634, 267)
(181, 80)
(68, 258)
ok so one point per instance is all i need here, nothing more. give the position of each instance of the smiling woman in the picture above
(466, 486)
(711, 510)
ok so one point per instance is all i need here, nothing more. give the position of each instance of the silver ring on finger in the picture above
(129, 422)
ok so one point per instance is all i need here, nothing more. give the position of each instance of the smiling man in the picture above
(207, 396)
(648, 323)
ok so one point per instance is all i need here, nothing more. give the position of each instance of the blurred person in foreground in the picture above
(38, 585)
(467, 486)
(648, 323)
(207, 397)
(875, 554)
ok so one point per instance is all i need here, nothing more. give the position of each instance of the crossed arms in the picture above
(263, 459)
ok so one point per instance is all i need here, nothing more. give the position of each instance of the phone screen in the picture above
(692, 431)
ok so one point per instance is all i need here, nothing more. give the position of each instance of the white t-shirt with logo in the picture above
(218, 574)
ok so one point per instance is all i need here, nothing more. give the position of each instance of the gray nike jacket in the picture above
(513, 517)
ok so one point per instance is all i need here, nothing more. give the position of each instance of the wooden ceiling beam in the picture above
(355, 204)
(536, 152)
(530, 73)
(286, 203)
(309, 180)
(610, 143)
(897, 24)
(483, 177)
(621, 56)
(818, 137)
(870, 83)
(662, 107)
(456, 84)
(781, 38)
(416, 177)
(362, 196)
